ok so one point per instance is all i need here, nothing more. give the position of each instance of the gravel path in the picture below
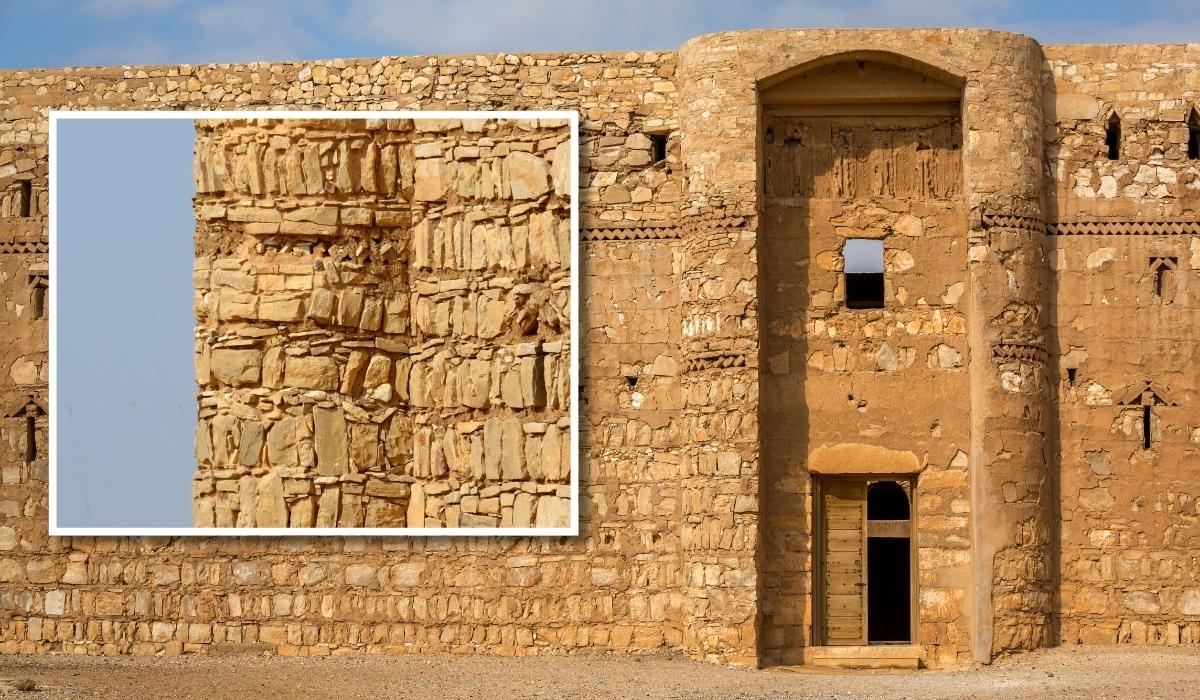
(1059, 674)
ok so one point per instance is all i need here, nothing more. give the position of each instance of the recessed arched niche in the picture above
(867, 83)
(856, 148)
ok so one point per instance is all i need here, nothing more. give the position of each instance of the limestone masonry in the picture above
(384, 323)
(979, 437)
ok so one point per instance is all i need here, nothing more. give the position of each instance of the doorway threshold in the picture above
(903, 656)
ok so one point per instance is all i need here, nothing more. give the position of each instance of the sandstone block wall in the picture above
(696, 530)
(384, 323)
(1126, 266)
(614, 587)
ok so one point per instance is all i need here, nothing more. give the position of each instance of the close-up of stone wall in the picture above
(384, 323)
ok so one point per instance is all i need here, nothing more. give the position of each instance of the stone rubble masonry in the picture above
(1023, 337)
(383, 333)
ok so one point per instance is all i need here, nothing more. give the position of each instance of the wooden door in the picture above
(843, 571)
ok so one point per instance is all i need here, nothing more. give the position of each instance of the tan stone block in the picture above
(285, 309)
(272, 368)
(325, 216)
(204, 454)
(378, 371)
(251, 444)
(406, 575)
(430, 180)
(552, 452)
(398, 442)
(553, 512)
(281, 443)
(236, 367)
(270, 509)
(528, 175)
(356, 365)
(416, 506)
(350, 305)
(330, 440)
(372, 315)
(311, 373)
(226, 433)
(364, 446)
(493, 429)
(386, 513)
(512, 460)
(253, 214)
(352, 512)
(328, 507)
(523, 510)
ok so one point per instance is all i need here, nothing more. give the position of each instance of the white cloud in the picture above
(200, 31)
(226, 31)
(466, 26)
(141, 51)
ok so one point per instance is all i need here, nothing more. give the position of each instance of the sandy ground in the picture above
(1057, 674)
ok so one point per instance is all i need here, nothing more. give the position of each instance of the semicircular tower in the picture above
(864, 295)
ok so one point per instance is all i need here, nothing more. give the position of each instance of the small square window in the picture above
(864, 273)
(658, 148)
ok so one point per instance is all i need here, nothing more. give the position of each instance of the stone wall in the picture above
(1126, 261)
(1026, 534)
(384, 323)
(614, 587)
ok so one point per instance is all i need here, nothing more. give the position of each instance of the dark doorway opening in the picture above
(888, 600)
(889, 564)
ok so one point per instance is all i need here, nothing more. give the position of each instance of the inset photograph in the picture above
(382, 310)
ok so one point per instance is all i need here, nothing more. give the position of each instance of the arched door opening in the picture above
(889, 564)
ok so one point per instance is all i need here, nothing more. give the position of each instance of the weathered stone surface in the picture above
(236, 367)
(528, 175)
(311, 372)
(330, 440)
(270, 508)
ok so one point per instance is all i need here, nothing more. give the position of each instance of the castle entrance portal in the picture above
(865, 579)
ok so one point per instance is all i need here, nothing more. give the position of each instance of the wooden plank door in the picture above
(843, 508)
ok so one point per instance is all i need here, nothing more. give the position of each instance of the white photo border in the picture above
(572, 530)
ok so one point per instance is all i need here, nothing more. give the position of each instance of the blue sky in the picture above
(48, 33)
(126, 407)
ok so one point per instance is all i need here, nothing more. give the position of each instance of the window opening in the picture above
(863, 258)
(658, 148)
(25, 193)
(1193, 144)
(1112, 136)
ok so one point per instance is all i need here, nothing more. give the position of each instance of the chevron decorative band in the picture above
(647, 232)
(1019, 351)
(1123, 228)
(18, 247)
(1092, 228)
(1017, 221)
(715, 360)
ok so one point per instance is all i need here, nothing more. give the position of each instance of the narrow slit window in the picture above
(30, 437)
(1112, 136)
(1193, 144)
(38, 287)
(658, 148)
(1164, 277)
(24, 193)
(864, 273)
(1145, 427)
(1071, 372)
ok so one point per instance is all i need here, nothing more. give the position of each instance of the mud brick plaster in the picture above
(1040, 517)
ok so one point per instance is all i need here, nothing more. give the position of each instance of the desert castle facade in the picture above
(888, 345)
